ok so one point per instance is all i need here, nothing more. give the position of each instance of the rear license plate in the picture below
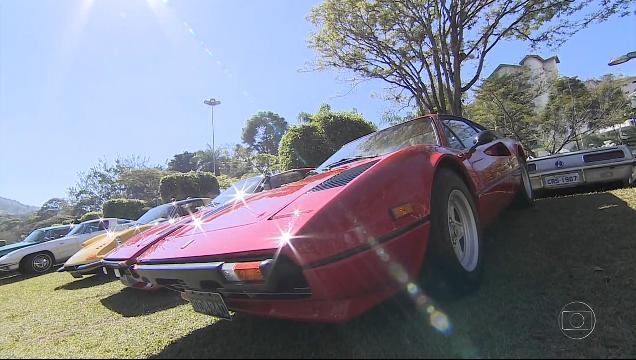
(117, 273)
(210, 304)
(562, 180)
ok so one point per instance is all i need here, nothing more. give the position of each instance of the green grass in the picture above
(579, 247)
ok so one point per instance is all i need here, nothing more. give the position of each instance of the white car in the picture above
(602, 165)
(40, 258)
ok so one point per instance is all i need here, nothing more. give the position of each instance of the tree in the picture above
(263, 132)
(506, 104)
(101, 183)
(341, 127)
(303, 145)
(183, 162)
(574, 111)
(311, 143)
(142, 184)
(51, 208)
(179, 186)
(431, 51)
(130, 209)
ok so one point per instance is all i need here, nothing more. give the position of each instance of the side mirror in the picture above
(482, 138)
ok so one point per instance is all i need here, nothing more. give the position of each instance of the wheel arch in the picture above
(36, 253)
(454, 165)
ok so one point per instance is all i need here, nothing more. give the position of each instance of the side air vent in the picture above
(343, 178)
(616, 154)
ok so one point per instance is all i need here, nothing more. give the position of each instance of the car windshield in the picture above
(156, 213)
(77, 229)
(35, 236)
(414, 132)
(246, 186)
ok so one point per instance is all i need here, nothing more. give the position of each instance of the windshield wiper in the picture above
(348, 160)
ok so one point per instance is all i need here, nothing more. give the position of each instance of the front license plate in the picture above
(210, 304)
(562, 180)
(117, 273)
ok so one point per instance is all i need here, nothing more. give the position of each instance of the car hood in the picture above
(97, 247)
(240, 226)
(247, 228)
(13, 247)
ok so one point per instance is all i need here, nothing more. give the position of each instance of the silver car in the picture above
(602, 165)
(46, 252)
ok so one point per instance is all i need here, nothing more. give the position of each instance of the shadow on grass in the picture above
(13, 277)
(575, 248)
(133, 302)
(86, 282)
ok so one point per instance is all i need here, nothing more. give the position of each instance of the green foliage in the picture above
(91, 215)
(124, 208)
(51, 208)
(341, 127)
(263, 132)
(183, 162)
(506, 104)
(574, 110)
(225, 181)
(303, 146)
(192, 184)
(101, 183)
(322, 134)
(431, 52)
(142, 184)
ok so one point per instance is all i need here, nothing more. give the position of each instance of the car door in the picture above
(492, 164)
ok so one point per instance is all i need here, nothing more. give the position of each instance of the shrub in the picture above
(124, 208)
(303, 146)
(342, 127)
(91, 215)
(180, 186)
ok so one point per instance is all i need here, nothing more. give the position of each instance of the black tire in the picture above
(525, 197)
(40, 263)
(443, 270)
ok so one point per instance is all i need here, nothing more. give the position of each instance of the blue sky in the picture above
(87, 79)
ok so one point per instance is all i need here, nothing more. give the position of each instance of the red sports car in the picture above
(354, 233)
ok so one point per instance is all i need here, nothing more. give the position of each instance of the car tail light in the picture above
(244, 271)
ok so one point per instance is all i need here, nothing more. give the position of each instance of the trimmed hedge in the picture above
(124, 208)
(91, 215)
(180, 186)
(303, 145)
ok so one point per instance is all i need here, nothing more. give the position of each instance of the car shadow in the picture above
(574, 248)
(14, 277)
(133, 302)
(86, 282)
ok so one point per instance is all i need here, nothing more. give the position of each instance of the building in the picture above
(542, 73)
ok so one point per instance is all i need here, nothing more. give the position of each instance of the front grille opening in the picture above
(171, 282)
(286, 276)
(609, 155)
(532, 167)
(209, 285)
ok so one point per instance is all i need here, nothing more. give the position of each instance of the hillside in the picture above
(13, 207)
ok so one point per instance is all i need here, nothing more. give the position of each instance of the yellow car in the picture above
(88, 260)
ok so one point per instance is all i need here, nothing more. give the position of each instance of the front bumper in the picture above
(607, 173)
(7, 268)
(80, 271)
(335, 291)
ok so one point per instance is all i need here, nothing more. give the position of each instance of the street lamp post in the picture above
(623, 59)
(212, 102)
